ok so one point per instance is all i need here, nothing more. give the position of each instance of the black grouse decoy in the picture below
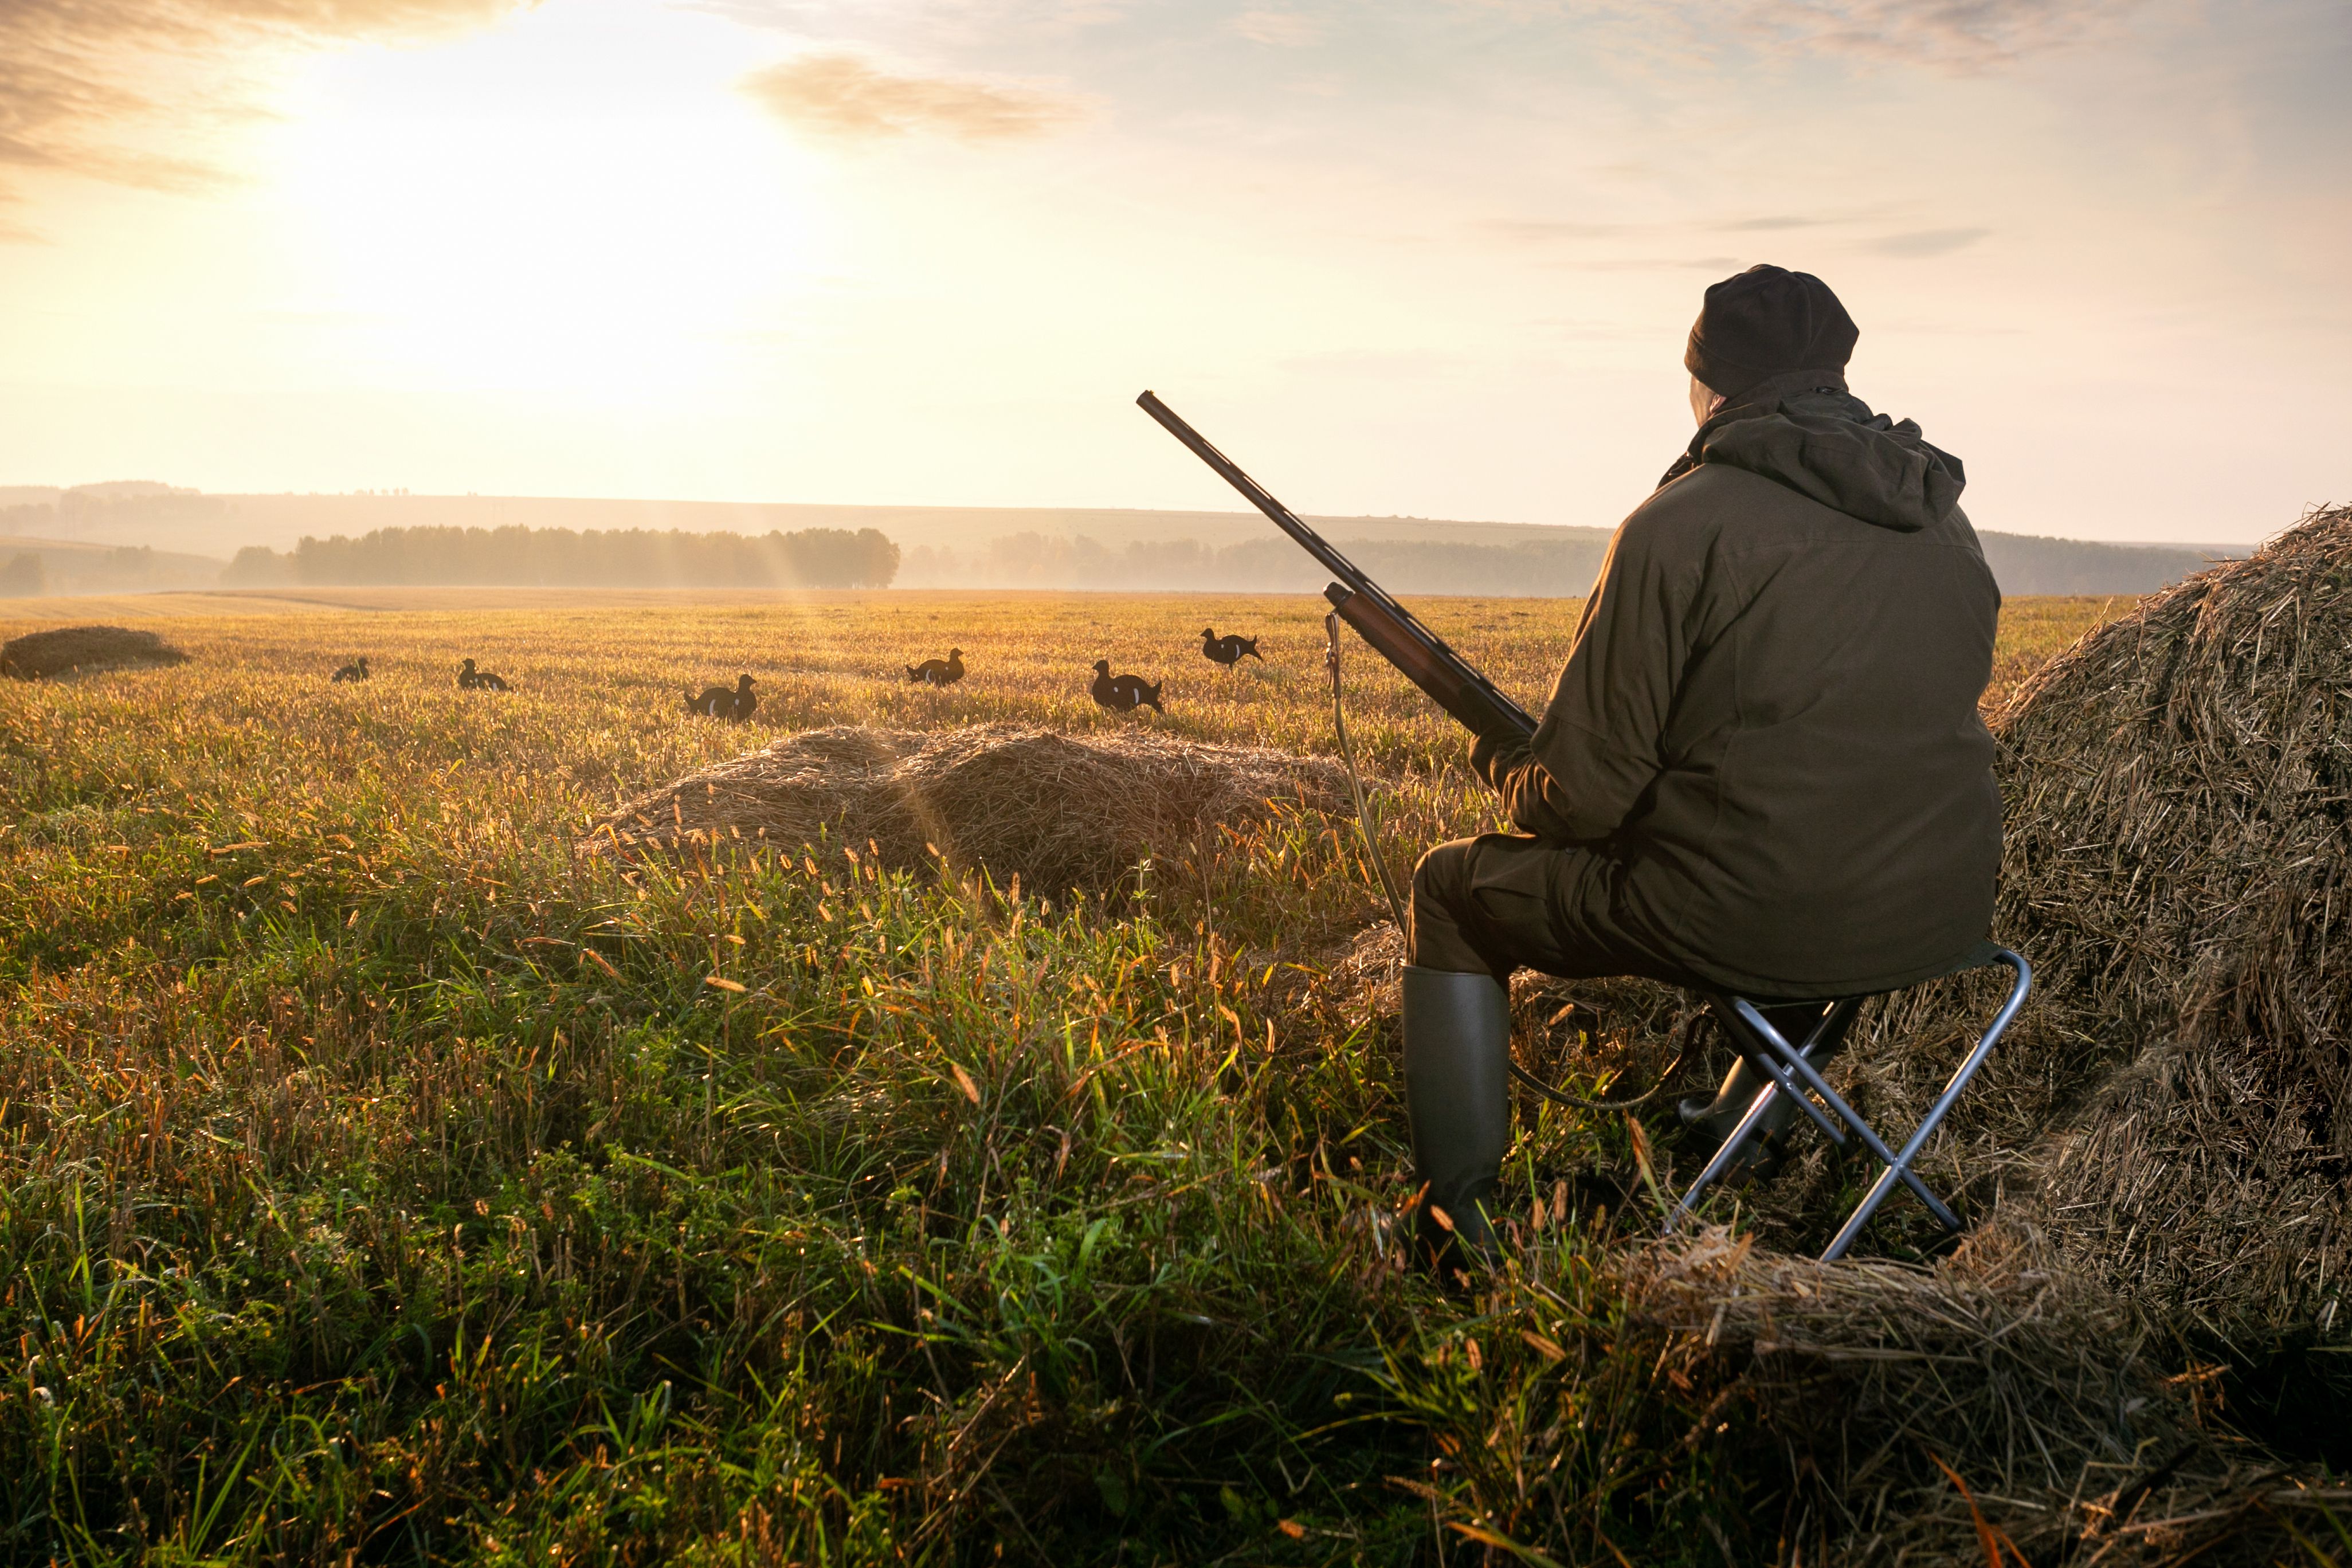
(472, 680)
(938, 672)
(1124, 693)
(1228, 650)
(356, 670)
(722, 702)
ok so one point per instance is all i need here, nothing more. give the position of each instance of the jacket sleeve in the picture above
(1598, 749)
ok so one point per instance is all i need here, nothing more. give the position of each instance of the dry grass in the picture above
(382, 1178)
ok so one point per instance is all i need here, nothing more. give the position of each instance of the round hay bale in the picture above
(2179, 867)
(41, 655)
(1058, 812)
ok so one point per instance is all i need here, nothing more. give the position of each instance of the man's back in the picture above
(1770, 713)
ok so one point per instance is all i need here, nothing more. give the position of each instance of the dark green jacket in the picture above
(1768, 720)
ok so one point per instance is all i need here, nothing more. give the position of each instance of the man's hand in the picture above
(1507, 762)
(1494, 754)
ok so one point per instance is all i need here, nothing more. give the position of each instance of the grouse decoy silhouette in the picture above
(938, 672)
(356, 670)
(1228, 650)
(723, 702)
(1124, 693)
(472, 680)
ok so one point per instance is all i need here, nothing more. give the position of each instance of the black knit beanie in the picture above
(1766, 321)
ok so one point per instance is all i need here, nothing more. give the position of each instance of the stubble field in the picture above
(384, 1178)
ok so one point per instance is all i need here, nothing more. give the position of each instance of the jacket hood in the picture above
(1807, 431)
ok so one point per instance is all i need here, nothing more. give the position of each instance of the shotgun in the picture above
(1418, 654)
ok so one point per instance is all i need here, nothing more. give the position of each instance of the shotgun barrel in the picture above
(1419, 654)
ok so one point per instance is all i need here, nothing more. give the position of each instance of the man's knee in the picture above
(1440, 893)
(1442, 877)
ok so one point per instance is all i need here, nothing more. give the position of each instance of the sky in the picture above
(1431, 258)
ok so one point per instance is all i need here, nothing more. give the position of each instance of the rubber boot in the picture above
(1457, 1053)
(1711, 1120)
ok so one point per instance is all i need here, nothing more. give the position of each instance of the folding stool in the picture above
(1790, 1069)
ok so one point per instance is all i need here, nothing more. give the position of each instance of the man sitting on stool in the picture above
(1763, 770)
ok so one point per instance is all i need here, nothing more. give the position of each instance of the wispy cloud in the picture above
(1950, 34)
(1928, 242)
(1589, 245)
(1543, 231)
(1717, 264)
(1284, 29)
(847, 98)
(1961, 35)
(97, 88)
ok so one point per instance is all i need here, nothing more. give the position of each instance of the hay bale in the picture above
(2179, 865)
(41, 655)
(1059, 812)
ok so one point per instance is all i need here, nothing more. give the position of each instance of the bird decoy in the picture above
(1124, 693)
(1229, 649)
(472, 680)
(356, 670)
(938, 672)
(722, 702)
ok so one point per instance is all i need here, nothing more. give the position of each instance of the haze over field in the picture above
(126, 537)
(1413, 259)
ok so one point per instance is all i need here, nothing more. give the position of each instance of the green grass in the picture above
(384, 1179)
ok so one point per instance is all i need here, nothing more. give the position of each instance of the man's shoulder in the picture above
(1712, 492)
(1690, 513)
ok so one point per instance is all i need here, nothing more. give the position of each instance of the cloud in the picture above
(846, 98)
(95, 87)
(1955, 35)
(1928, 242)
(1720, 265)
(1950, 34)
(1539, 231)
(1284, 29)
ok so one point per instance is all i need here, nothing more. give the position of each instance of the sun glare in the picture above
(580, 202)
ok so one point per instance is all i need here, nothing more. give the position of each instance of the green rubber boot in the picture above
(1457, 1053)
(1711, 1121)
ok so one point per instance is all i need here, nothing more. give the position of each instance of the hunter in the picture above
(1763, 770)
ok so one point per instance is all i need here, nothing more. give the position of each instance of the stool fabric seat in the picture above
(1761, 1029)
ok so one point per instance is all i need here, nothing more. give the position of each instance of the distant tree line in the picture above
(2027, 563)
(1560, 567)
(25, 577)
(562, 557)
(71, 569)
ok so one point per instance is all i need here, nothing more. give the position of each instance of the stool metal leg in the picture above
(1870, 1138)
(1773, 1052)
(1900, 1166)
(1724, 1155)
(1779, 1083)
(1790, 1071)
